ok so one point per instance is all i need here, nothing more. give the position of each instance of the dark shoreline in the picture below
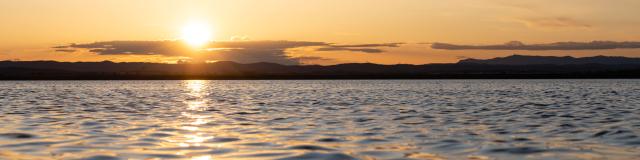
(50, 70)
(436, 77)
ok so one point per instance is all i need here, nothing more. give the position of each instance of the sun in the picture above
(196, 34)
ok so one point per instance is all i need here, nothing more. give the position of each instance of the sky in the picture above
(315, 31)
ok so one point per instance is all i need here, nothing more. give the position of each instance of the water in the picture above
(333, 120)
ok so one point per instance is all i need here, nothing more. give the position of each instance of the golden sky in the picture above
(249, 29)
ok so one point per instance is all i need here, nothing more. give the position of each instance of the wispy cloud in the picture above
(516, 45)
(366, 48)
(553, 22)
(66, 50)
(536, 14)
(369, 45)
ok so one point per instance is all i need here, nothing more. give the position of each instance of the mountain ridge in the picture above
(531, 60)
(465, 69)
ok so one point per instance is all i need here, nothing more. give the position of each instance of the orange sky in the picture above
(30, 28)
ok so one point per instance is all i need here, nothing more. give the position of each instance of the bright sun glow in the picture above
(196, 34)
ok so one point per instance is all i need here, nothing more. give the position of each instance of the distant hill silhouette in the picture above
(507, 67)
(532, 60)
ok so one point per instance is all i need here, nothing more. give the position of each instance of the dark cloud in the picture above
(462, 57)
(516, 45)
(254, 56)
(316, 60)
(259, 51)
(169, 48)
(238, 51)
(366, 48)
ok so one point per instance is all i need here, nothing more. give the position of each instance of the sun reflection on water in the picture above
(195, 86)
(196, 103)
(202, 158)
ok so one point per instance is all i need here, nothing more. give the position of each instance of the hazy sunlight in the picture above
(196, 34)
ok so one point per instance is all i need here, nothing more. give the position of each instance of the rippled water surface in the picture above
(321, 120)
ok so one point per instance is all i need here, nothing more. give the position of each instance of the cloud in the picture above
(366, 48)
(266, 45)
(312, 58)
(369, 45)
(60, 47)
(66, 50)
(516, 45)
(238, 51)
(259, 51)
(553, 22)
(462, 57)
(254, 56)
(167, 48)
(317, 60)
(540, 15)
